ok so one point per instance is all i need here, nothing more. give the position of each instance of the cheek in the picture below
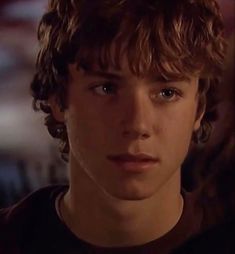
(183, 124)
(85, 130)
(177, 129)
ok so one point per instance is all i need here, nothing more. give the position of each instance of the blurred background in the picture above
(29, 157)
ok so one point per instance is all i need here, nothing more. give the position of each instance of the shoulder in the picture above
(217, 239)
(30, 205)
(17, 221)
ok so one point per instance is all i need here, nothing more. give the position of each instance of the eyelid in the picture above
(177, 90)
(177, 93)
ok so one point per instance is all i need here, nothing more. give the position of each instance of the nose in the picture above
(136, 116)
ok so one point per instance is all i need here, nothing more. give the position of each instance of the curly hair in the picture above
(173, 38)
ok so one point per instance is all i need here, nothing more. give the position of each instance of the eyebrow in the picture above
(103, 74)
(118, 77)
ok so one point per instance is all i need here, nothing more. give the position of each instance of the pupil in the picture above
(108, 88)
(168, 93)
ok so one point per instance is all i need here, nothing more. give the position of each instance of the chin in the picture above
(132, 197)
(131, 194)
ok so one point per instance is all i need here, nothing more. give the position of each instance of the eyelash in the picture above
(176, 92)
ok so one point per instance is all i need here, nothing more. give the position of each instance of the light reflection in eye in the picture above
(104, 89)
(110, 88)
(168, 93)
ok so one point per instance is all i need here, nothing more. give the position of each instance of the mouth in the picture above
(133, 163)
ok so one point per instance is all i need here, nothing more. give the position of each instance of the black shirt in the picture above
(32, 226)
(219, 239)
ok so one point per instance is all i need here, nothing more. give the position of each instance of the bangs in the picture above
(146, 54)
(151, 45)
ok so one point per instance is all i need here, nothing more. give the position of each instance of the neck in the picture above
(105, 221)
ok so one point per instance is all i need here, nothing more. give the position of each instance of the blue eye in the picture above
(104, 89)
(169, 94)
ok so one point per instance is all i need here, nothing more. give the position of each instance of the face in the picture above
(115, 112)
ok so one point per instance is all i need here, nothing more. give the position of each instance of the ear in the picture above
(201, 108)
(57, 113)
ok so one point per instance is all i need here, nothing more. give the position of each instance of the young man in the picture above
(124, 84)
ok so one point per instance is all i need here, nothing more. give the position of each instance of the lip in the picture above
(134, 163)
(140, 157)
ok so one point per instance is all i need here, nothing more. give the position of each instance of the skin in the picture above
(120, 113)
